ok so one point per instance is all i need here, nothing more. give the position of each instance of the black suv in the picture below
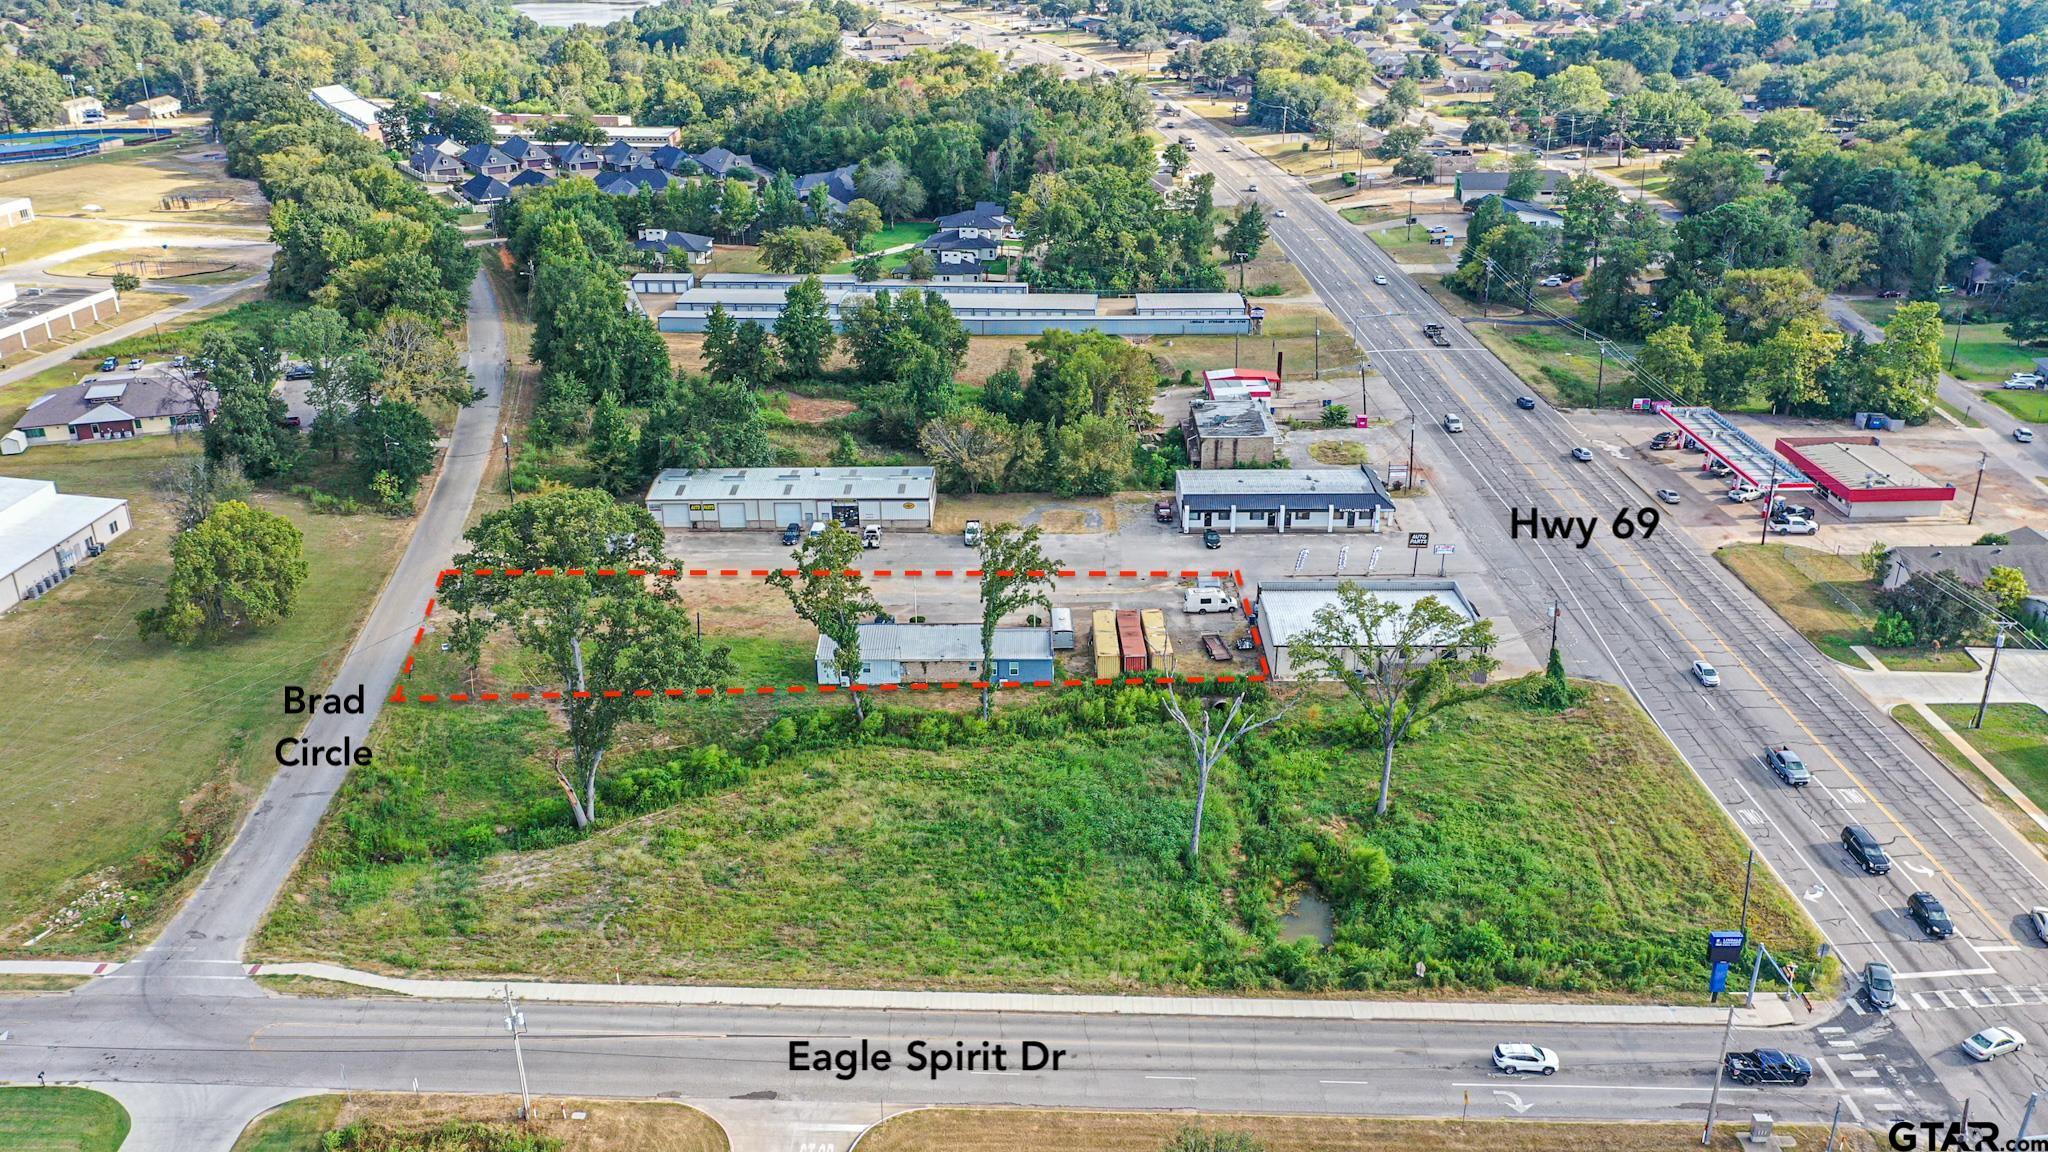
(1928, 913)
(1865, 850)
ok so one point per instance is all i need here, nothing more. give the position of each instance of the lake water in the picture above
(568, 15)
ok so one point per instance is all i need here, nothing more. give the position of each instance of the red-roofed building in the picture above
(1240, 383)
(1864, 481)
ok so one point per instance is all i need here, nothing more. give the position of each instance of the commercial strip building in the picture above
(1862, 480)
(16, 210)
(741, 498)
(1281, 500)
(45, 536)
(1287, 610)
(117, 406)
(155, 108)
(990, 314)
(941, 654)
(32, 315)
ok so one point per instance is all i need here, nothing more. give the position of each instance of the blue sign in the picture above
(1719, 982)
(1724, 946)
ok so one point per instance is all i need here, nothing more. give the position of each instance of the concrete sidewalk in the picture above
(2022, 679)
(1769, 1012)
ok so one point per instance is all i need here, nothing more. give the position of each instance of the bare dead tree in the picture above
(1214, 740)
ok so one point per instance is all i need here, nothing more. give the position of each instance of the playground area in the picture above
(184, 265)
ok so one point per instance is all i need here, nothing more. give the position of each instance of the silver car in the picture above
(1706, 674)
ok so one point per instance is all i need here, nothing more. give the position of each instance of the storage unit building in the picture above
(1130, 641)
(1153, 620)
(739, 498)
(1108, 664)
(942, 653)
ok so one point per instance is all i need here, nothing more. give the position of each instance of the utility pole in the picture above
(1748, 873)
(1978, 487)
(1770, 494)
(1990, 674)
(507, 439)
(1411, 216)
(1720, 1064)
(2027, 1117)
(1556, 610)
(515, 1023)
(1411, 450)
(1954, 346)
(1600, 376)
(1836, 1124)
(1319, 350)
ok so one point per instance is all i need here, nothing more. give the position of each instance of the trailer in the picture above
(1106, 660)
(1063, 630)
(1130, 635)
(1154, 622)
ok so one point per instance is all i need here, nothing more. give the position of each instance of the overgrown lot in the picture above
(1043, 849)
(387, 1122)
(1830, 600)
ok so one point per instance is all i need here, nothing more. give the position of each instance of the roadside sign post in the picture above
(1443, 556)
(1417, 541)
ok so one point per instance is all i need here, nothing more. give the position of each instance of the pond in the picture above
(1309, 919)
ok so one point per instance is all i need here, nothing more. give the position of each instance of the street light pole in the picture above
(1990, 674)
(1978, 487)
(515, 1023)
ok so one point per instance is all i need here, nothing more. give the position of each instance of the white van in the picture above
(1200, 600)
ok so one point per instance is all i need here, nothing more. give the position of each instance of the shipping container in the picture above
(1154, 621)
(1107, 664)
(1130, 635)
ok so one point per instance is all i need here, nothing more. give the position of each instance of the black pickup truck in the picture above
(1768, 1066)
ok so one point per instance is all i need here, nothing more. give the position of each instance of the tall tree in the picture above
(805, 250)
(1221, 729)
(826, 592)
(1015, 575)
(602, 638)
(240, 567)
(803, 333)
(1399, 664)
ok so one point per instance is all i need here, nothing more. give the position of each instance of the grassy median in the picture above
(60, 1120)
(396, 1122)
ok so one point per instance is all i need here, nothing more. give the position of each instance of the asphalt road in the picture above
(1639, 611)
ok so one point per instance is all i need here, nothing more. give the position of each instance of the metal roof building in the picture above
(1287, 609)
(1744, 454)
(981, 312)
(739, 498)
(942, 653)
(44, 535)
(1863, 481)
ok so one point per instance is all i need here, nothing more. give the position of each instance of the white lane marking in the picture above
(1864, 1073)
(1994, 948)
(1855, 1112)
(1850, 1056)
(1920, 998)
(1971, 1000)
(1611, 1087)
(1841, 1043)
(1944, 973)
(1340, 1081)
(1513, 1100)
(1831, 1030)
(1942, 994)
(1169, 1077)
(1829, 1072)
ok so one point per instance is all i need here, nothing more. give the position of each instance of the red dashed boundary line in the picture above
(399, 695)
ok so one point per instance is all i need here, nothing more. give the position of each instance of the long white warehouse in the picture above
(740, 498)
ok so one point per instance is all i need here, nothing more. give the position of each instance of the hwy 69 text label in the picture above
(1628, 524)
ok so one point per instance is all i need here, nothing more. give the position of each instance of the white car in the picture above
(2022, 381)
(1514, 1058)
(1436, 229)
(2023, 435)
(1993, 1042)
(1551, 282)
(1574, 156)
(1706, 674)
(1744, 493)
(1279, 213)
(1380, 280)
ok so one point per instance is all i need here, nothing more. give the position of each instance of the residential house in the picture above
(1982, 276)
(529, 156)
(435, 166)
(634, 182)
(1388, 62)
(836, 186)
(987, 219)
(2027, 550)
(673, 159)
(957, 246)
(484, 191)
(1534, 214)
(726, 164)
(674, 246)
(528, 178)
(486, 160)
(577, 160)
(620, 156)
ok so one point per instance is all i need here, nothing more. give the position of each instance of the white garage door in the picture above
(675, 515)
(787, 514)
(732, 515)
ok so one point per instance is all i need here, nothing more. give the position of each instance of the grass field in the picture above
(130, 183)
(1042, 851)
(1034, 1130)
(1565, 369)
(1289, 334)
(2014, 737)
(899, 234)
(123, 763)
(2030, 779)
(443, 1123)
(1829, 600)
(60, 1120)
(1412, 250)
(2028, 406)
(1984, 353)
(47, 236)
